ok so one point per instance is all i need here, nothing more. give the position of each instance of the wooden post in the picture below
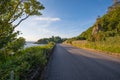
(12, 75)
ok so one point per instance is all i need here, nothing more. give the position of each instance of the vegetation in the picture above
(13, 58)
(53, 39)
(15, 11)
(109, 24)
(111, 44)
(104, 34)
(25, 62)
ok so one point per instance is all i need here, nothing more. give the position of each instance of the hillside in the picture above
(104, 35)
(106, 26)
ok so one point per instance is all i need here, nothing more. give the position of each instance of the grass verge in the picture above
(110, 45)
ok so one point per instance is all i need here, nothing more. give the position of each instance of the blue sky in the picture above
(64, 18)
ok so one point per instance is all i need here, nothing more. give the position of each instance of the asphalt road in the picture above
(70, 63)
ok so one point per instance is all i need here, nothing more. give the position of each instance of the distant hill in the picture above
(53, 39)
(106, 26)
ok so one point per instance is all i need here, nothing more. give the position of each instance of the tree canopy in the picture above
(56, 39)
(12, 10)
(12, 13)
(15, 11)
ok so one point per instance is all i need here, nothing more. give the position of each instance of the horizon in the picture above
(63, 18)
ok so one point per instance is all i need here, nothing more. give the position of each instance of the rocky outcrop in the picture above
(97, 27)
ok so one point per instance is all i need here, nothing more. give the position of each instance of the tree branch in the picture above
(14, 11)
(16, 17)
(21, 21)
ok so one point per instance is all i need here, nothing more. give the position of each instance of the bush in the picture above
(24, 62)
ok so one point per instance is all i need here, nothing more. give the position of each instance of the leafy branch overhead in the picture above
(13, 10)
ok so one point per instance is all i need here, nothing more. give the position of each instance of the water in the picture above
(31, 44)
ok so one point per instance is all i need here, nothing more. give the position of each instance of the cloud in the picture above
(47, 19)
(35, 27)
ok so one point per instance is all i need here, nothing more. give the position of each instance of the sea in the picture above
(31, 44)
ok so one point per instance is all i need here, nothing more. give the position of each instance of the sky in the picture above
(64, 18)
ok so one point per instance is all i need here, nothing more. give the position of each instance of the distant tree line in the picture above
(53, 39)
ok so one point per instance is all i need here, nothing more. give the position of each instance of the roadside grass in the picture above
(111, 44)
(21, 64)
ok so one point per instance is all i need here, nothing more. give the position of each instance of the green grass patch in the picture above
(111, 44)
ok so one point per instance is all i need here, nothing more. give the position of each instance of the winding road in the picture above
(70, 63)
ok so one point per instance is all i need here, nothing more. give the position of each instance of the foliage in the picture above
(12, 48)
(24, 62)
(12, 58)
(107, 38)
(15, 11)
(16, 45)
(86, 35)
(69, 41)
(12, 10)
(53, 39)
(111, 44)
(6, 34)
(110, 24)
(51, 43)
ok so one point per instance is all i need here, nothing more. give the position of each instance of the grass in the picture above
(23, 62)
(111, 44)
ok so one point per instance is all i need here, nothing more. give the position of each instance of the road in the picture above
(70, 63)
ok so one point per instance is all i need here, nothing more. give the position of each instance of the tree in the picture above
(15, 11)
(56, 39)
(6, 34)
(12, 10)
(16, 45)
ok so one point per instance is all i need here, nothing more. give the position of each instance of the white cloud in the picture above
(48, 19)
(35, 27)
(45, 21)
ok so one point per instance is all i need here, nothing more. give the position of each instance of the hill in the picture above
(106, 26)
(104, 35)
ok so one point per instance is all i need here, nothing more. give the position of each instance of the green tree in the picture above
(15, 11)
(12, 10)
(16, 45)
(6, 34)
(56, 39)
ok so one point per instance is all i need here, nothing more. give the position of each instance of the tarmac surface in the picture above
(70, 63)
